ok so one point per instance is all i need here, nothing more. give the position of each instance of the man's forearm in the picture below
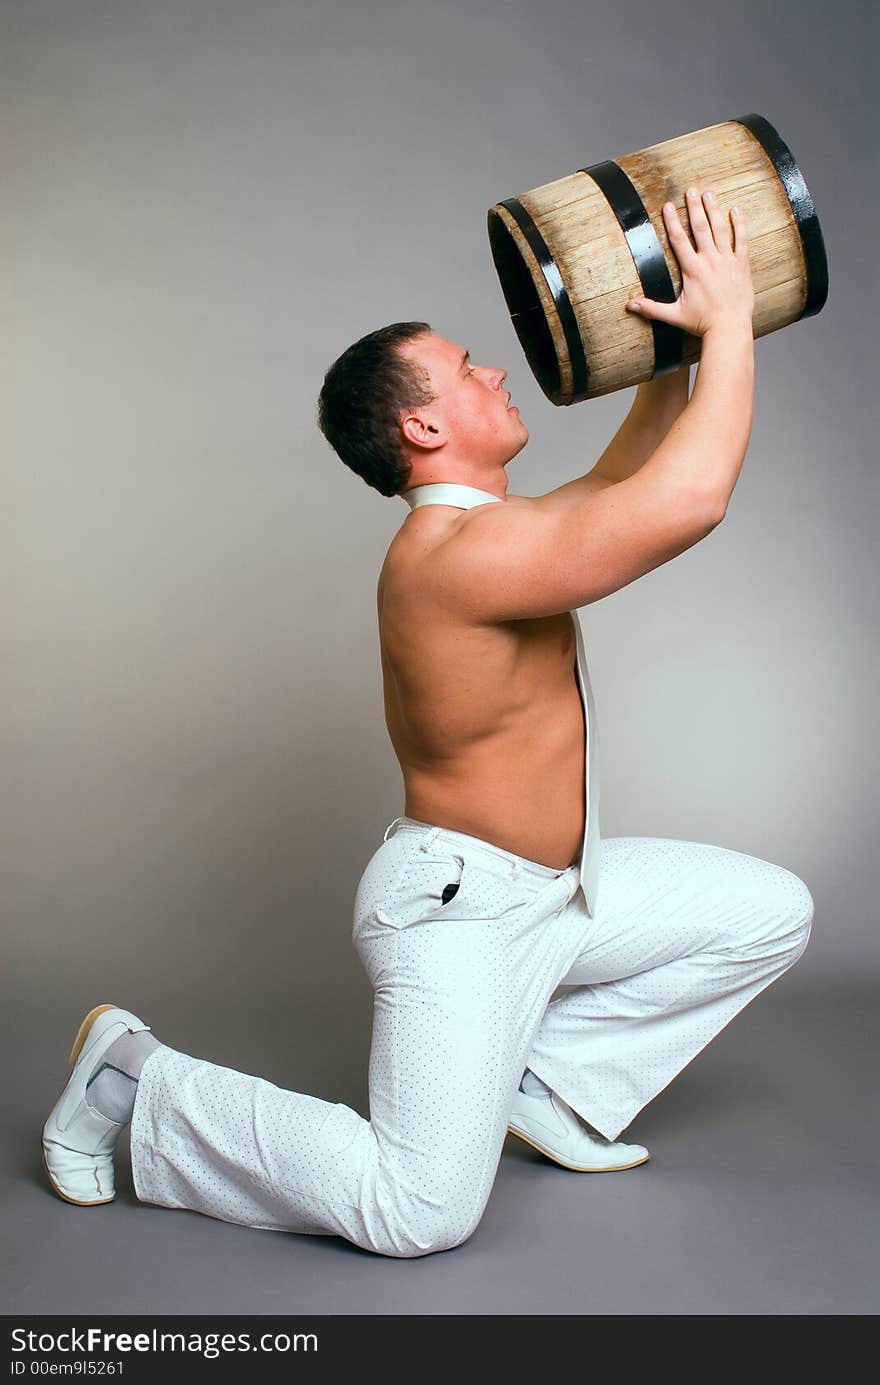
(657, 405)
(704, 449)
(656, 408)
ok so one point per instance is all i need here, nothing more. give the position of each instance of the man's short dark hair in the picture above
(361, 401)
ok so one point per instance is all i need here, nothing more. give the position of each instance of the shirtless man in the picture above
(504, 997)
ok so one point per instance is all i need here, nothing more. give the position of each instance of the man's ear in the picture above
(421, 432)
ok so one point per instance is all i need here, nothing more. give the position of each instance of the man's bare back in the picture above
(486, 720)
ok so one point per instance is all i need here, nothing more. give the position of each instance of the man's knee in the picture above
(777, 922)
(423, 1224)
(792, 914)
(804, 908)
(410, 1241)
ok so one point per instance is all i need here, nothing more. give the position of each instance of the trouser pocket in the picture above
(446, 884)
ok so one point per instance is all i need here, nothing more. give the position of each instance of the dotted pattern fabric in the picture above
(510, 972)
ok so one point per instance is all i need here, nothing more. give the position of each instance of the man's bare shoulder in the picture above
(430, 528)
(490, 564)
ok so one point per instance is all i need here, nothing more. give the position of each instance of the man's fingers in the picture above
(678, 236)
(718, 222)
(700, 227)
(740, 231)
(650, 307)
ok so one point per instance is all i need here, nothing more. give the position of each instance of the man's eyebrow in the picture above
(464, 360)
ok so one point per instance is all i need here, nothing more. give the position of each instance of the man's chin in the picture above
(519, 448)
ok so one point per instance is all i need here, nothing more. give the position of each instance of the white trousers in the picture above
(482, 963)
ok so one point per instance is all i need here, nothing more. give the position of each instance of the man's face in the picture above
(470, 414)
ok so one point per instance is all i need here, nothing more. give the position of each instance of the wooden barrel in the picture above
(570, 254)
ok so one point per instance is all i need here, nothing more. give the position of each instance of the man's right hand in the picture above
(716, 276)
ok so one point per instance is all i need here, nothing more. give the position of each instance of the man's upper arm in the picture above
(521, 561)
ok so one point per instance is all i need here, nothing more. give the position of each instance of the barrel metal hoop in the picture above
(580, 374)
(806, 220)
(648, 257)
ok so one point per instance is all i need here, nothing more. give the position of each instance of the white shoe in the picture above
(78, 1142)
(548, 1124)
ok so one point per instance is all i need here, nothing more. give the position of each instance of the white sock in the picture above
(111, 1090)
(532, 1084)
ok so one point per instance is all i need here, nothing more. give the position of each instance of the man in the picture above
(527, 975)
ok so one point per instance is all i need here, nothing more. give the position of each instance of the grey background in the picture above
(206, 203)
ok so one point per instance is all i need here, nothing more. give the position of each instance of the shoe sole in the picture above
(78, 1042)
(576, 1168)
